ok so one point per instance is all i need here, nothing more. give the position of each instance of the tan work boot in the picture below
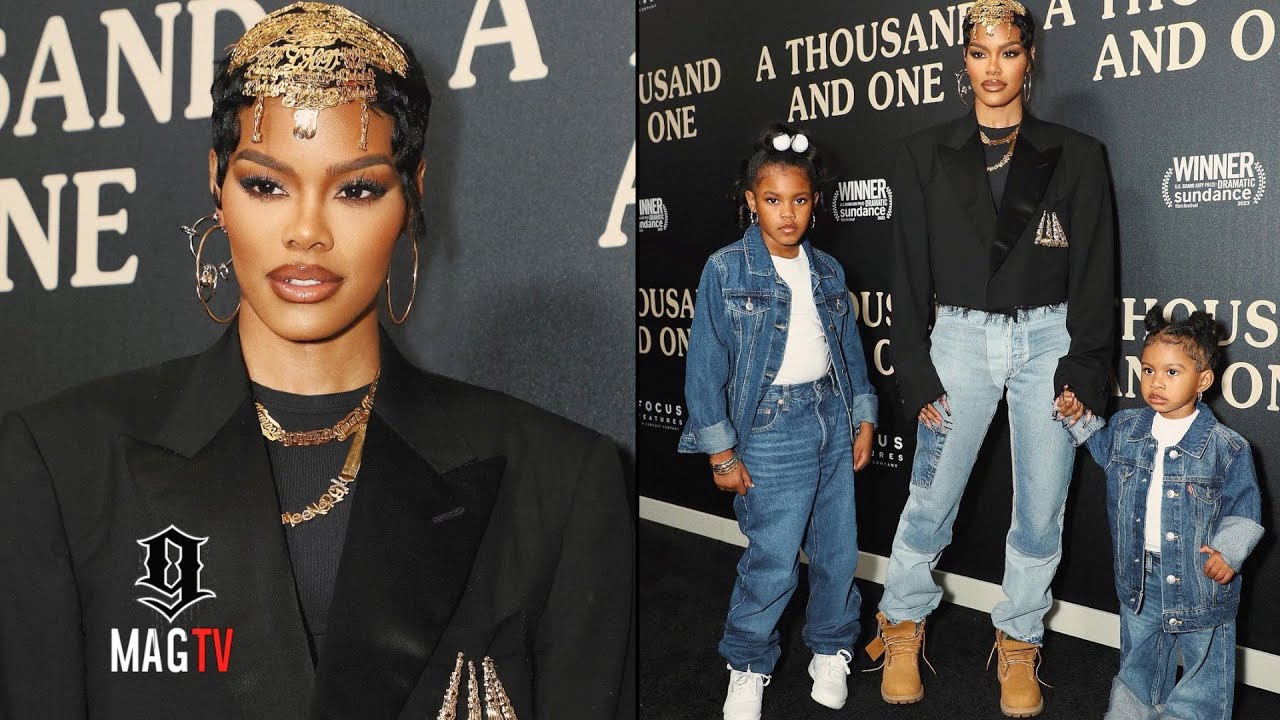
(902, 645)
(1019, 681)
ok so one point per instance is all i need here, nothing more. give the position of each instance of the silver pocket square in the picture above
(1050, 232)
(496, 705)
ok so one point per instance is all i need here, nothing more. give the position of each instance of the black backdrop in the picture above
(525, 284)
(1158, 87)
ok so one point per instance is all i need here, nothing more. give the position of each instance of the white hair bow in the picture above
(798, 142)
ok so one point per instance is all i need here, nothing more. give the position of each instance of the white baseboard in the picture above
(1253, 667)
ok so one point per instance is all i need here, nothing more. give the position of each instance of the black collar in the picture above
(218, 383)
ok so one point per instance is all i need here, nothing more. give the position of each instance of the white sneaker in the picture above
(746, 691)
(830, 679)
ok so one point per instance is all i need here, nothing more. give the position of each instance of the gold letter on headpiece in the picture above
(993, 13)
(315, 56)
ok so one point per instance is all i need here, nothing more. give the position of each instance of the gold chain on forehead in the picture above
(315, 56)
(992, 13)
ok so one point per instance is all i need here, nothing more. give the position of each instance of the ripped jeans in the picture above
(979, 356)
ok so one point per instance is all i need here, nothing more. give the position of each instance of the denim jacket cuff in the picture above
(866, 408)
(709, 440)
(1235, 539)
(1083, 429)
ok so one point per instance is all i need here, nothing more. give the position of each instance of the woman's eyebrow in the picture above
(359, 163)
(263, 159)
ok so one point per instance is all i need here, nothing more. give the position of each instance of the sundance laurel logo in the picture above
(645, 5)
(862, 199)
(1234, 179)
(653, 214)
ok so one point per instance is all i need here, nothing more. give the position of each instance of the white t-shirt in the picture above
(1166, 432)
(806, 357)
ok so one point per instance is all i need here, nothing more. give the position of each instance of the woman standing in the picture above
(297, 523)
(1005, 226)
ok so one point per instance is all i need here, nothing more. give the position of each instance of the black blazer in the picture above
(953, 248)
(488, 527)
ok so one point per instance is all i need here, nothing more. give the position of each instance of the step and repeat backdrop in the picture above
(526, 274)
(1184, 95)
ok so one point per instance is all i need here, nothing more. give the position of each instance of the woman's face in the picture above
(997, 65)
(311, 222)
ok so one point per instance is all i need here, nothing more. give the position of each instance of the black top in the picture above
(302, 474)
(484, 526)
(995, 153)
(952, 247)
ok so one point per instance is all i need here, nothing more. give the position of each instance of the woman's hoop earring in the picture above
(813, 220)
(413, 290)
(207, 275)
(964, 87)
(755, 219)
(1026, 88)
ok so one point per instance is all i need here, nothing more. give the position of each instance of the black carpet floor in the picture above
(684, 590)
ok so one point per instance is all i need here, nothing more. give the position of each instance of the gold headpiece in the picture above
(315, 56)
(992, 13)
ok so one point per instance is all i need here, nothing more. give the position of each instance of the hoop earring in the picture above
(755, 219)
(964, 87)
(1026, 88)
(413, 290)
(207, 275)
(813, 220)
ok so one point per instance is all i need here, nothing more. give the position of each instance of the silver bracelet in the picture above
(725, 467)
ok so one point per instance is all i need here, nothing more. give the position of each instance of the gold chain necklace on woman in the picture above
(353, 425)
(342, 430)
(1011, 139)
(338, 488)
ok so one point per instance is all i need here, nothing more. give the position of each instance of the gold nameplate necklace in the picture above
(1011, 140)
(352, 426)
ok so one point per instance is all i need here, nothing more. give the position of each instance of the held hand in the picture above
(1216, 567)
(930, 416)
(1070, 407)
(862, 446)
(736, 480)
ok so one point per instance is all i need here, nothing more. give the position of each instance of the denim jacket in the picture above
(1211, 498)
(738, 336)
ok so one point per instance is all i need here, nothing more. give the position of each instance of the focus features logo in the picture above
(653, 214)
(660, 415)
(1234, 179)
(862, 199)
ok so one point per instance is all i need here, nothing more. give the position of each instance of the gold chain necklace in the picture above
(342, 430)
(1011, 139)
(338, 489)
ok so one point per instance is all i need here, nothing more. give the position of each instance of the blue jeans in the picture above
(979, 356)
(1145, 689)
(801, 459)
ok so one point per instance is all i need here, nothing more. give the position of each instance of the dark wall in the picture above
(1195, 88)
(525, 282)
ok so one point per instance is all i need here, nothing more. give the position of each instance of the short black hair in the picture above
(406, 100)
(764, 154)
(1026, 24)
(1198, 335)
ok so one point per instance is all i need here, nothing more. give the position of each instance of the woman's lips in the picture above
(304, 283)
(993, 85)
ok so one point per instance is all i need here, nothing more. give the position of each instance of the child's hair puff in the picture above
(1198, 335)
(764, 154)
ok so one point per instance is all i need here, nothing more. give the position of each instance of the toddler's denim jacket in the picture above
(1210, 497)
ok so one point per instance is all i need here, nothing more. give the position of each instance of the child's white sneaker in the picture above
(830, 675)
(746, 692)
